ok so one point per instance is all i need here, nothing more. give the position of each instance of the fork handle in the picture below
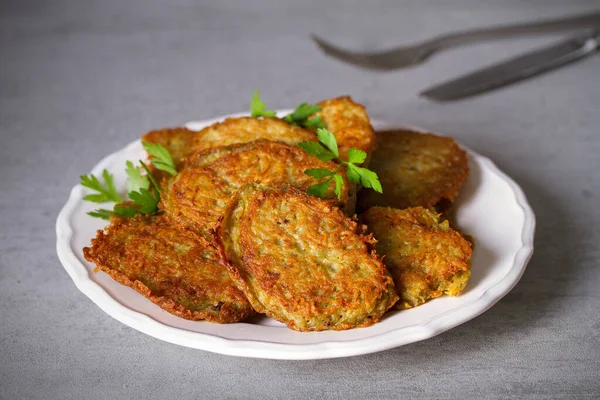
(506, 31)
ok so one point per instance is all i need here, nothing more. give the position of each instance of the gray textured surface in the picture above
(80, 79)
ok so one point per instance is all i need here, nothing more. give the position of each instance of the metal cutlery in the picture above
(516, 69)
(405, 56)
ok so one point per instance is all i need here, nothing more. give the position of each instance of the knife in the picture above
(516, 69)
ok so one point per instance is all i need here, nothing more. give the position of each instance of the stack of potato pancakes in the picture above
(237, 234)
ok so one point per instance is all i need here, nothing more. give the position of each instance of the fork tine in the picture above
(376, 61)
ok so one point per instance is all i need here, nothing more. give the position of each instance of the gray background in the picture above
(80, 79)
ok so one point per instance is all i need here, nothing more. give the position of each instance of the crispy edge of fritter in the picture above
(227, 232)
(226, 313)
(350, 124)
(447, 274)
(392, 146)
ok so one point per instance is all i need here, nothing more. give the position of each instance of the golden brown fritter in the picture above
(299, 260)
(197, 196)
(347, 120)
(182, 142)
(247, 129)
(425, 256)
(415, 169)
(176, 269)
(350, 124)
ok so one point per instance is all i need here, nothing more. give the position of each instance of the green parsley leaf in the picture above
(315, 123)
(258, 108)
(367, 178)
(320, 189)
(328, 139)
(100, 213)
(356, 156)
(300, 116)
(143, 201)
(160, 157)
(339, 181)
(143, 197)
(352, 174)
(146, 200)
(150, 176)
(135, 180)
(96, 198)
(302, 112)
(106, 191)
(318, 172)
(355, 174)
(317, 150)
(125, 211)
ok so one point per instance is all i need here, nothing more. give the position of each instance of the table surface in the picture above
(80, 79)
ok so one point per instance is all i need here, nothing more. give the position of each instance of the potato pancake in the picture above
(425, 256)
(175, 268)
(197, 196)
(300, 261)
(415, 169)
(248, 129)
(350, 124)
(347, 120)
(182, 142)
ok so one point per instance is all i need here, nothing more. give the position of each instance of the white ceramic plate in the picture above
(491, 207)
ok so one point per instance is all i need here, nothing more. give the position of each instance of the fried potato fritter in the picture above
(347, 120)
(182, 142)
(197, 196)
(178, 141)
(350, 124)
(415, 169)
(299, 260)
(174, 268)
(425, 256)
(247, 129)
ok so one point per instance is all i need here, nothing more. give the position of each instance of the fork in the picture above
(406, 56)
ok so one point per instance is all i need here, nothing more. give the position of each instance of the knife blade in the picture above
(516, 69)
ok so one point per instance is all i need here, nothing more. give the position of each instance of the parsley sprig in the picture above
(160, 157)
(135, 180)
(105, 191)
(326, 150)
(300, 117)
(258, 108)
(143, 198)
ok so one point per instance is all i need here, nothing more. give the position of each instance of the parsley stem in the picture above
(151, 177)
